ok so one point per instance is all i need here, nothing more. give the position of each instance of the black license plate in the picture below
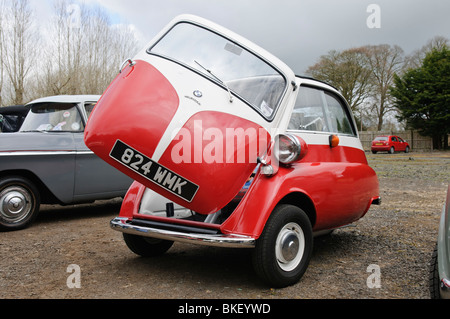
(154, 172)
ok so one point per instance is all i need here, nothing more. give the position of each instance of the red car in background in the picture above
(389, 143)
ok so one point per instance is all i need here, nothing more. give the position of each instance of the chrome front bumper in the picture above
(220, 240)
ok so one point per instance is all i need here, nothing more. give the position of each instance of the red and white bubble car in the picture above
(228, 147)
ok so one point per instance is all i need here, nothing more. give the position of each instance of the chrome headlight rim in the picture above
(294, 148)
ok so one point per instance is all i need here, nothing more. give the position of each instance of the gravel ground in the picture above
(396, 239)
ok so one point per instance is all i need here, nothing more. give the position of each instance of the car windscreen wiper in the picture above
(218, 79)
(33, 131)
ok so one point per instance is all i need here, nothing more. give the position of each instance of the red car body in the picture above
(389, 143)
(295, 171)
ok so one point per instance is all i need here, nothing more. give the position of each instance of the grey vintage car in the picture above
(439, 280)
(48, 162)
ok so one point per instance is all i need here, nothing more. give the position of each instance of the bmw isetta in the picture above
(228, 147)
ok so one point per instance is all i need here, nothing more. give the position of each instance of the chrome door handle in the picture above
(130, 63)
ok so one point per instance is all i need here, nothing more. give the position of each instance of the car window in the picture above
(317, 110)
(89, 107)
(9, 122)
(223, 61)
(308, 113)
(340, 122)
(381, 138)
(53, 117)
(393, 139)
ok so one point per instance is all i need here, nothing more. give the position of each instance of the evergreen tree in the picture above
(422, 97)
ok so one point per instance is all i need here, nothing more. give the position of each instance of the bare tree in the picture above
(384, 61)
(63, 62)
(415, 59)
(349, 72)
(19, 40)
(106, 46)
(86, 50)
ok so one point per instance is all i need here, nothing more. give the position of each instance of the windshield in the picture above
(53, 117)
(238, 70)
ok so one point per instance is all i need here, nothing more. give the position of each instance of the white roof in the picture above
(67, 99)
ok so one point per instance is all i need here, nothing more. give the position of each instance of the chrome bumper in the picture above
(219, 240)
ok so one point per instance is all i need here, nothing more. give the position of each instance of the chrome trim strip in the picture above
(233, 241)
(42, 153)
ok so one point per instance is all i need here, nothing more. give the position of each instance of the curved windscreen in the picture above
(237, 69)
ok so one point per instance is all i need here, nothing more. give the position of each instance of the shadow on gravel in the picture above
(199, 267)
(56, 213)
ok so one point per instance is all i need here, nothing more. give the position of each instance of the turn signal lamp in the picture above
(334, 141)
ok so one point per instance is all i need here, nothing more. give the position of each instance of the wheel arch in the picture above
(47, 197)
(302, 201)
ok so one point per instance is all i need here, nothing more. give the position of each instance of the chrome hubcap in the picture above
(290, 246)
(15, 204)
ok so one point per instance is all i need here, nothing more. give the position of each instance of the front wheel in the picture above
(19, 203)
(147, 247)
(283, 251)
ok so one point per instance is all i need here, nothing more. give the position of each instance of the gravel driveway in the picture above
(384, 255)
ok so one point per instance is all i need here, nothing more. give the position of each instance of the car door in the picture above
(189, 116)
(329, 174)
(401, 144)
(94, 178)
(394, 143)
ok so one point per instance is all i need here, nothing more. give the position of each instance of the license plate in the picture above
(154, 172)
(379, 144)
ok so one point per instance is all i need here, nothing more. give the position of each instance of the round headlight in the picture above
(287, 148)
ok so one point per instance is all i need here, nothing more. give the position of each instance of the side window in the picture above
(339, 120)
(308, 113)
(320, 111)
(89, 106)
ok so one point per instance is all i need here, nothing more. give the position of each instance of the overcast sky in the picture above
(296, 31)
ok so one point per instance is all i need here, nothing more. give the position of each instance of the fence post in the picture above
(412, 139)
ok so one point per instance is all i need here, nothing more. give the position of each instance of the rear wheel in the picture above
(19, 203)
(147, 247)
(392, 150)
(283, 251)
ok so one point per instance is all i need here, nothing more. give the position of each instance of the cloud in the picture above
(297, 31)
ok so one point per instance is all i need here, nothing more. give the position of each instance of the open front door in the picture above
(189, 133)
